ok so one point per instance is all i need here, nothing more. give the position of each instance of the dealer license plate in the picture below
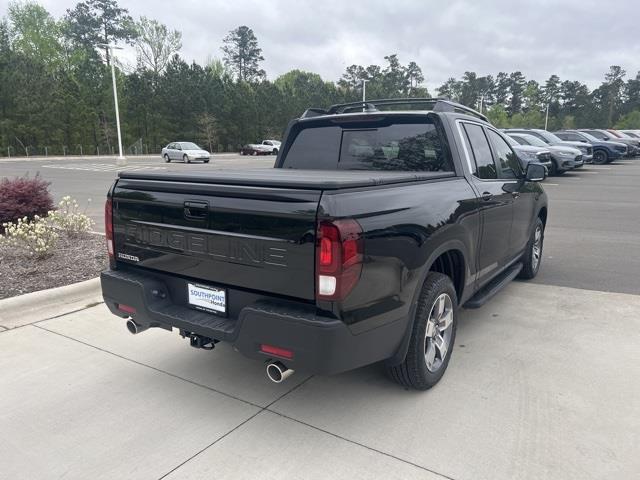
(208, 299)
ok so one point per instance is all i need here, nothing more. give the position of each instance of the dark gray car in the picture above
(563, 158)
(528, 154)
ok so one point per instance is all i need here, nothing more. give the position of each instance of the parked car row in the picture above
(565, 150)
(188, 152)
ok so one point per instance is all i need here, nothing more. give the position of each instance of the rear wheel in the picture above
(532, 257)
(600, 157)
(254, 153)
(166, 158)
(274, 151)
(433, 335)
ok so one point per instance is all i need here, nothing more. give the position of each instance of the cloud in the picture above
(577, 40)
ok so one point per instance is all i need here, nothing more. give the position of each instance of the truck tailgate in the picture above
(253, 237)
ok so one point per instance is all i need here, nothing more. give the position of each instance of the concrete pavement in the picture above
(542, 384)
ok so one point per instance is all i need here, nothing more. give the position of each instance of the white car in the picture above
(274, 144)
(267, 147)
(185, 151)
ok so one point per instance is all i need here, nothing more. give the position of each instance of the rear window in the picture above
(396, 147)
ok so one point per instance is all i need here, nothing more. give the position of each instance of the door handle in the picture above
(486, 196)
(196, 210)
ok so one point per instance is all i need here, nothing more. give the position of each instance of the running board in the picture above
(494, 286)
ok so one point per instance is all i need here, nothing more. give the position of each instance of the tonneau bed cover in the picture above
(289, 178)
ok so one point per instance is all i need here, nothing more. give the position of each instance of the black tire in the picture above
(600, 157)
(413, 371)
(531, 265)
(185, 159)
(553, 169)
(274, 151)
(166, 158)
(206, 161)
(254, 153)
(560, 172)
(242, 152)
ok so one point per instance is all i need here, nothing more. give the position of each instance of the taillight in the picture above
(339, 254)
(108, 225)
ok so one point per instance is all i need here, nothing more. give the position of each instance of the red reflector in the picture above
(126, 308)
(108, 225)
(277, 351)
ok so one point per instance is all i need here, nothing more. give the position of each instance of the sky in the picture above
(575, 39)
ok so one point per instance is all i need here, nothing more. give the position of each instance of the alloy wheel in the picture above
(536, 248)
(438, 333)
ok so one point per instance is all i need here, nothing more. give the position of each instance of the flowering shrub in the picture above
(23, 197)
(68, 218)
(37, 237)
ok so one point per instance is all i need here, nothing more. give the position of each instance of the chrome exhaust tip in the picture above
(134, 327)
(278, 373)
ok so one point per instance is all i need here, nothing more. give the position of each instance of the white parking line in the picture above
(103, 167)
(587, 171)
(545, 184)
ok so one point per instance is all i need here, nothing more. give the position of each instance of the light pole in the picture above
(546, 117)
(121, 160)
(364, 92)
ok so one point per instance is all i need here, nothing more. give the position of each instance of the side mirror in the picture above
(535, 172)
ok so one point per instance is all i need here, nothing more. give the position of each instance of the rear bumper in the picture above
(320, 345)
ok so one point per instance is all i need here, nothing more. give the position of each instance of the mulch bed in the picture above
(74, 260)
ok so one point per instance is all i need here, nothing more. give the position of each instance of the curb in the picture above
(36, 306)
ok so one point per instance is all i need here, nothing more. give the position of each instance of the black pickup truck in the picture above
(378, 222)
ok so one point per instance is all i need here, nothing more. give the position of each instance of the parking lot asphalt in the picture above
(591, 239)
(542, 384)
(88, 179)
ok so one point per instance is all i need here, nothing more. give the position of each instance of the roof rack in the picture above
(436, 105)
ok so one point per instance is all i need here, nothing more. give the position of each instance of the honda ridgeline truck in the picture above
(378, 222)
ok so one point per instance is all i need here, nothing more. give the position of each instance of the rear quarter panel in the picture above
(405, 228)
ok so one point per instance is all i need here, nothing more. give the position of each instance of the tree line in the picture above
(56, 93)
